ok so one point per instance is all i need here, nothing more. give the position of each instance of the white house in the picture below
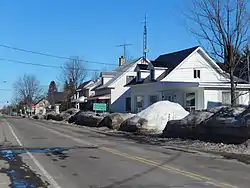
(112, 89)
(189, 77)
(83, 91)
(41, 105)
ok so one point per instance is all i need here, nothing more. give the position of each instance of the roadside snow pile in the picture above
(68, 113)
(89, 119)
(53, 116)
(155, 117)
(133, 124)
(113, 121)
(220, 124)
(159, 113)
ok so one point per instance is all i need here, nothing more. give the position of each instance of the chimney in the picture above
(121, 60)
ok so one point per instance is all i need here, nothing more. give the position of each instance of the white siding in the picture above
(105, 80)
(158, 73)
(184, 72)
(119, 93)
(244, 98)
(144, 74)
(213, 97)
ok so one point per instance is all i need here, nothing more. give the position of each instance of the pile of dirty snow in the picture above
(159, 113)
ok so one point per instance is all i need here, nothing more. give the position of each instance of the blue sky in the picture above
(90, 29)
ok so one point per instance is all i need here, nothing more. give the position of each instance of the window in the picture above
(138, 76)
(129, 79)
(226, 98)
(197, 73)
(128, 104)
(190, 101)
(152, 74)
(153, 99)
(139, 103)
(169, 98)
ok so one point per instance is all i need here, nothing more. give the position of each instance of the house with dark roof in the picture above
(112, 90)
(188, 77)
(56, 99)
(82, 93)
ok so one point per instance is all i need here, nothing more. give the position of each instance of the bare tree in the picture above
(27, 89)
(95, 75)
(223, 25)
(73, 71)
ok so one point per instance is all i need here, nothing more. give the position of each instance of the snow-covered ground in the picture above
(159, 113)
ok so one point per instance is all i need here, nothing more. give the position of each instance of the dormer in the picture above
(141, 72)
(106, 76)
(152, 71)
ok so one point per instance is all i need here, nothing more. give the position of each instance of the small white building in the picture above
(41, 105)
(112, 89)
(189, 77)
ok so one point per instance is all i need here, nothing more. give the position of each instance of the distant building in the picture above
(41, 106)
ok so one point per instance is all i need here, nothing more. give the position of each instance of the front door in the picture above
(189, 99)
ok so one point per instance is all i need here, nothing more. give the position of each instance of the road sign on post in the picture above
(100, 107)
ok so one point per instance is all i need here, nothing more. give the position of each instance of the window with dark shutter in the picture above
(197, 73)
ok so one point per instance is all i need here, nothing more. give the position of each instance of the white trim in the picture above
(224, 85)
(216, 68)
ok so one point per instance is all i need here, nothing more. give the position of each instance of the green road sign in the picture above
(29, 110)
(100, 107)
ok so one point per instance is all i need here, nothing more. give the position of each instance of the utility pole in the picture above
(124, 49)
(248, 54)
(145, 38)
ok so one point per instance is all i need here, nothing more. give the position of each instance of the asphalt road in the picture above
(43, 154)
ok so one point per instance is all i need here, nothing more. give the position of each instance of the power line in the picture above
(51, 55)
(61, 67)
(41, 65)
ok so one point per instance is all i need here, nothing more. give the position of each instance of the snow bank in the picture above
(159, 113)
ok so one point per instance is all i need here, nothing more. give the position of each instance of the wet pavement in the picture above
(49, 155)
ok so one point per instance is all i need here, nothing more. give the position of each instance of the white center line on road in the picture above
(44, 172)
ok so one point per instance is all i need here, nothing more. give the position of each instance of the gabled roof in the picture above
(59, 97)
(43, 98)
(81, 86)
(119, 71)
(172, 60)
(142, 66)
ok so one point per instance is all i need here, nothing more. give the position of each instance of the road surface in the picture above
(42, 154)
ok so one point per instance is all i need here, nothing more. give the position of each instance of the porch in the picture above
(188, 95)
